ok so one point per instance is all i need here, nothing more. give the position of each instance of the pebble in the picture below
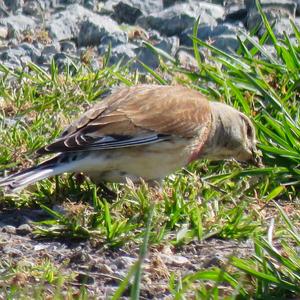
(174, 260)
(12, 251)
(9, 229)
(106, 269)
(24, 229)
(124, 262)
(85, 279)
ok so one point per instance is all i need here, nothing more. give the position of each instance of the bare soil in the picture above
(98, 268)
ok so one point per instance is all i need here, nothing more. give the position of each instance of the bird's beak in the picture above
(256, 158)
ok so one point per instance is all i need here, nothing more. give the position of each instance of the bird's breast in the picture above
(151, 162)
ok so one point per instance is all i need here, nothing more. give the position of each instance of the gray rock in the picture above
(284, 25)
(68, 47)
(298, 7)
(174, 20)
(24, 229)
(33, 8)
(12, 251)
(68, 2)
(274, 10)
(206, 32)
(94, 64)
(125, 13)
(14, 5)
(9, 229)
(216, 260)
(146, 6)
(226, 42)
(106, 269)
(3, 10)
(185, 58)
(100, 30)
(9, 122)
(235, 10)
(174, 260)
(124, 52)
(48, 53)
(127, 52)
(168, 3)
(50, 4)
(65, 25)
(3, 32)
(124, 262)
(17, 24)
(62, 61)
(85, 279)
(20, 55)
(31, 51)
(146, 55)
(169, 45)
(270, 49)
(90, 4)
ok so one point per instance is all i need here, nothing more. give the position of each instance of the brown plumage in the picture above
(147, 132)
(142, 110)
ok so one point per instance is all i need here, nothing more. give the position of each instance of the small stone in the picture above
(3, 32)
(284, 25)
(17, 24)
(85, 279)
(14, 56)
(90, 4)
(273, 9)
(106, 269)
(15, 5)
(24, 229)
(101, 31)
(9, 229)
(145, 6)
(48, 53)
(212, 32)
(146, 55)
(297, 8)
(124, 52)
(125, 13)
(12, 251)
(124, 262)
(187, 59)
(10, 122)
(33, 8)
(174, 260)
(216, 261)
(168, 3)
(30, 50)
(68, 47)
(235, 10)
(226, 42)
(65, 25)
(40, 247)
(175, 19)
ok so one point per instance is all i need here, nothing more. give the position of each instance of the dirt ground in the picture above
(100, 269)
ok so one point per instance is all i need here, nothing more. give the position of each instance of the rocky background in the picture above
(81, 30)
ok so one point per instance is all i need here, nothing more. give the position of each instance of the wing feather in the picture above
(135, 116)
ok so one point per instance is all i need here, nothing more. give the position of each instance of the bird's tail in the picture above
(18, 181)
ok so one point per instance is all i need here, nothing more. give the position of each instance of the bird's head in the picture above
(232, 135)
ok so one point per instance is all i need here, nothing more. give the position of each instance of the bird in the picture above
(143, 132)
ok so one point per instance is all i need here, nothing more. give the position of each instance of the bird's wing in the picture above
(134, 116)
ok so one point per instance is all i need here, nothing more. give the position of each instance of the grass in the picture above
(205, 201)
